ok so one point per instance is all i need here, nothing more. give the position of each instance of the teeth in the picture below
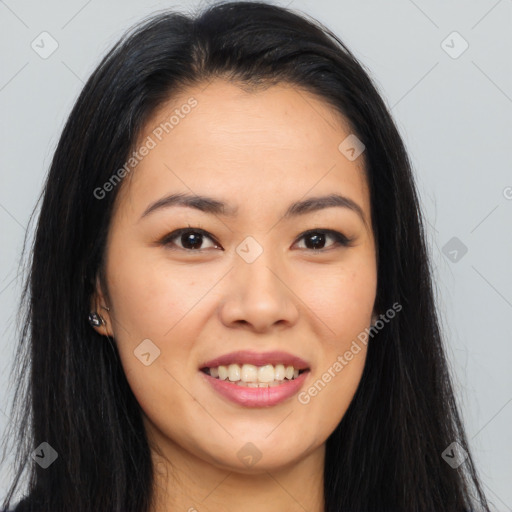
(233, 372)
(272, 384)
(255, 376)
(223, 372)
(249, 373)
(266, 373)
(280, 372)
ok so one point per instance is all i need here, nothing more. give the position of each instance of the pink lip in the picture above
(257, 359)
(256, 397)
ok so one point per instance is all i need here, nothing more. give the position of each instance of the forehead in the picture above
(281, 117)
(246, 146)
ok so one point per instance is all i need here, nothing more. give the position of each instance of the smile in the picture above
(255, 379)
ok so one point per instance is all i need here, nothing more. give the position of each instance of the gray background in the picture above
(455, 115)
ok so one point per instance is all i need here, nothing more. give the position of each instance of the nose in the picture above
(259, 295)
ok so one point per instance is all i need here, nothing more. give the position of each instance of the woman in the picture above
(230, 300)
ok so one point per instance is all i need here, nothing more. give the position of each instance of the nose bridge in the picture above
(256, 265)
(257, 293)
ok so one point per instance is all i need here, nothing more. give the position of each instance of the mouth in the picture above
(255, 379)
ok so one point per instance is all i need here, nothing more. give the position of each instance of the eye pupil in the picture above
(317, 240)
(193, 238)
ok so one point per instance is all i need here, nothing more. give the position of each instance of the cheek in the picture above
(343, 302)
(150, 304)
(334, 383)
(149, 297)
(327, 397)
(342, 299)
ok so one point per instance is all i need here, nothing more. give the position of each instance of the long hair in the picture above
(385, 454)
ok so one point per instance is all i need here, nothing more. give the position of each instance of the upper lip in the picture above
(257, 359)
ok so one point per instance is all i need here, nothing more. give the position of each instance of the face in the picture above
(245, 277)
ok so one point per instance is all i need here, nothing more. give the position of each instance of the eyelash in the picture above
(339, 238)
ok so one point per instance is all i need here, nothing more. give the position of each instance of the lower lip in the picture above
(257, 397)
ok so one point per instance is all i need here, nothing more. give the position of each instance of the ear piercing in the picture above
(95, 319)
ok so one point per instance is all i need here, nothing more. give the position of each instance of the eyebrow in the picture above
(215, 207)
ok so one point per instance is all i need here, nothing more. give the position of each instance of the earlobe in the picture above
(100, 320)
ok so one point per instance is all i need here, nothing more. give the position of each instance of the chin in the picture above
(257, 456)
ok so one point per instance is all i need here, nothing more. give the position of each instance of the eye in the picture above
(317, 239)
(191, 239)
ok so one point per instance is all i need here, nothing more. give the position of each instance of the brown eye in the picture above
(190, 239)
(316, 239)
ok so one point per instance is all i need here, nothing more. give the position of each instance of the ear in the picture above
(375, 317)
(99, 305)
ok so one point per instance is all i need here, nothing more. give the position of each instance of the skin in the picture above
(259, 151)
